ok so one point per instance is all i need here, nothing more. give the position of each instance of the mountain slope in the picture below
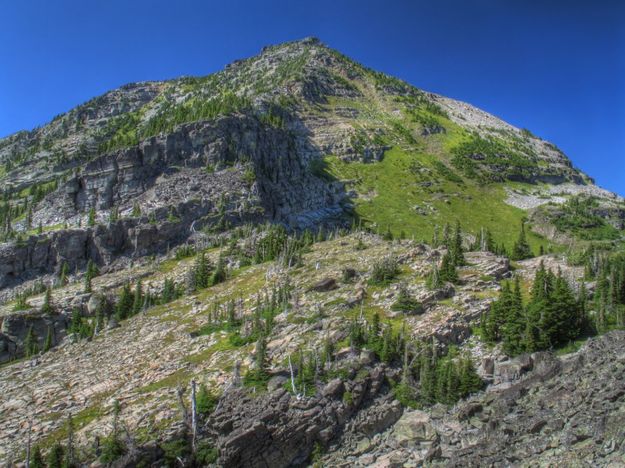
(263, 231)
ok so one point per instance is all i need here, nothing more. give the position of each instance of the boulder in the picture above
(324, 285)
(412, 428)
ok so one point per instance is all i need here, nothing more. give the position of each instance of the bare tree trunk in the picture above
(30, 425)
(183, 408)
(193, 417)
(292, 376)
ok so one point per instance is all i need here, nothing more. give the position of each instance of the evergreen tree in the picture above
(521, 249)
(138, 298)
(496, 317)
(123, 309)
(513, 329)
(448, 269)
(63, 274)
(55, 456)
(91, 217)
(434, 280)
(31, 345)
(406, 303)
(46, 308)
(561, 317)
(201, 271)
(260, 358)
(169, 291)
(220, 274)
(90, 273)
(457, 252)
(469, 381)
(49, 341)
(36, 458)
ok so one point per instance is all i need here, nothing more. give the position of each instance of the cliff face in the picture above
(235, 169)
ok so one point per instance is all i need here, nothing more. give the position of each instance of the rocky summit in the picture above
(300, 261)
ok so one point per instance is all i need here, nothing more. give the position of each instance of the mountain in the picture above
(294, 233)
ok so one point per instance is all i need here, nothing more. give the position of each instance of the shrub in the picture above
(206, 453)
(406, 303)
(112, 449)
(384, 271)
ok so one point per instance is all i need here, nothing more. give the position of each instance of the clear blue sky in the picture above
(558, 70)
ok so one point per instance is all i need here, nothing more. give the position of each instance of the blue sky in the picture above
(554, 67)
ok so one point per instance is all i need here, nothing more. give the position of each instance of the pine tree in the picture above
(55, 456)
(46, 308)
(521, 249)
(68, 459)
(513, 330)
(49, 341)
(535, 336)
(75, 322)
(561, 318)
(220, 274)
(124, 305)
(36, 458)
(260, 358)
(90, 273)
(201, 272)
(448, 269)
(138, 298)
(91, 218)
(457, 252)
(63, 274)
(426, 377)
(113, 215)
(169, 291)
(434, 280)
(136, 210)
(31, 345)
(469, 381)
(496, 317)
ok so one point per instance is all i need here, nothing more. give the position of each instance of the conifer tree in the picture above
(124, 305)
(36, 458)
(220, 274)
(55, 456)
(46, 308)
(469, 381)
(138, 298)
(63, 274)
(434, 280)
(457, 252)
(260, 358)
(521, 249)
(448, 269)
(49, 341)
(31, 346)
(91, 217)
(513, 330)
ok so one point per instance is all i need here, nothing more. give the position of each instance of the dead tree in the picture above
(193, 417)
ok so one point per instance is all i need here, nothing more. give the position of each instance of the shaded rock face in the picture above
(14, 329)
(279, 429)
(283, 190)
(287, 189)
(46, 254)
